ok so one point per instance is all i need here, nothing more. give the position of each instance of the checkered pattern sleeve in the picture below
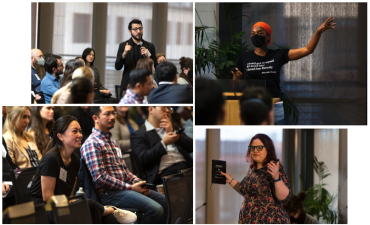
(103, 173)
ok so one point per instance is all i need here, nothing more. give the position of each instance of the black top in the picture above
(50, 165)
(264, 67)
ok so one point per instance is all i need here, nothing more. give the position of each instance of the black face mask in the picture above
(258, 40)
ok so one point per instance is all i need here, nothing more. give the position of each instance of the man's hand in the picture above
(37, 97)
(137, 187)
(144, 51)
(106, 92)
(5, 188)
(170, 138)
(166, 123)
(127, 49)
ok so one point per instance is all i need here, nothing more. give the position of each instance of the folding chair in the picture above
(75, 213)
(25, 213)
(188, 174)
(177, 198)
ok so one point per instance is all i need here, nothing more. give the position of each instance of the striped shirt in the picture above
(107, 169)
(33, 157)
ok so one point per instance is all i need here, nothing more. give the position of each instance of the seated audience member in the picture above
(160, 151)
(51, 82)
(168, 90)
(48, 180)
(82, 91)
(62, 96)
(186, 114)
(70, 67)
(22, 148)
(138, 114)
(256, 107)
(140, 85)
(209, 103)
(296, 212)
(37, 73)
(88, 56)
(124, 127)
(84, 118)
(41, 123)
(114, 183)
(8, 165)
(186, 65)
(147, 63)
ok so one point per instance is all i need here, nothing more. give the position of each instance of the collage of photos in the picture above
(151, 113)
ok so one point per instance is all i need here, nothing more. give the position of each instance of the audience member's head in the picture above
(63, 128)
(82, 91)
(166, 71)
(294, 207)
(38, 62)
(157, 113)
(82, 72)
(70, 67)
(256, 106)
(209, 103)
(186, 64)
(161, 57)
(53, 64)
(104, 117)
(88, 56)
(80, 58)
(146, 63)
(141, 81)
(122, 114)
(42, 117)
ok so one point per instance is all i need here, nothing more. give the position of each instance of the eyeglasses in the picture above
(258, 147)
(167, 108)
(108, 114)
(137, 28)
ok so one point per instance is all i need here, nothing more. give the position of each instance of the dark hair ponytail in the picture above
(60, 126)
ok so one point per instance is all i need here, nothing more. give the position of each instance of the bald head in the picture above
(35, 55)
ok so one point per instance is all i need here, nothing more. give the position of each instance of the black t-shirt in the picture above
(50, 165)
(264, 67)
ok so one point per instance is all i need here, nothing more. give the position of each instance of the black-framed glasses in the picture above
(167, 108)
(258, 147)
(108, 114)
(137, 28)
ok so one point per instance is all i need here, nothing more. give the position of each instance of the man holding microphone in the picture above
(130, 51)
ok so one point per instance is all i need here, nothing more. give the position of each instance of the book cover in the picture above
(217, 166)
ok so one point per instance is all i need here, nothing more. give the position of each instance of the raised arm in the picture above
(295, 54)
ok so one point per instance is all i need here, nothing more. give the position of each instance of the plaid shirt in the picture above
(107, 169)
(132, 98)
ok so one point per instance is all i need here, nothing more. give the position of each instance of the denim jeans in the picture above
(279, 114)
(154, 205)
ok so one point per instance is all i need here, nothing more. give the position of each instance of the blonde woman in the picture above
(22, 148)
(62, 95)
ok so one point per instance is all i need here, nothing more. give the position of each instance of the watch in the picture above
(277, 180)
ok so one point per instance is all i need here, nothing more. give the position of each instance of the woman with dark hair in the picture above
(295, 210)
(186, 65)
(123, 128)
(70, 67)
(88, 56)
(41, 124)
(58, 170)
(265, 64)
(265, 187)
(21, 145)
(82, 91)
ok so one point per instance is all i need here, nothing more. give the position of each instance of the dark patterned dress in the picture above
(260, 204)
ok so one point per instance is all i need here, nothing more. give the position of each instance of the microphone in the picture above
(141, 45)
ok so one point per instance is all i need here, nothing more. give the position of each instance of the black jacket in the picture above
(129, 61)
(171, 93)
(149, 150)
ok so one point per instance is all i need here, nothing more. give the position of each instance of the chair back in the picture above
(38, 217)
(133, 164)
(177, 198)
(188, 174)
(75, 213)
(22, 181)
(117, 88)
(86, 181)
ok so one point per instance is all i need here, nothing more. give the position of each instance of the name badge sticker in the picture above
(63, 174)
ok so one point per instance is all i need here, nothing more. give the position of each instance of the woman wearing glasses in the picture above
(265, 188)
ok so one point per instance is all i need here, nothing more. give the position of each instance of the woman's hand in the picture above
(273, 170)
(326, 26)
(5, 188)
(236, 74)
(228, 176)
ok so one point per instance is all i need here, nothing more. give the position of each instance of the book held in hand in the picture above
(217, 167)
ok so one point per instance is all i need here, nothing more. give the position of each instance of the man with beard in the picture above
(130, 51)
(51, 82)
(37, 73)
